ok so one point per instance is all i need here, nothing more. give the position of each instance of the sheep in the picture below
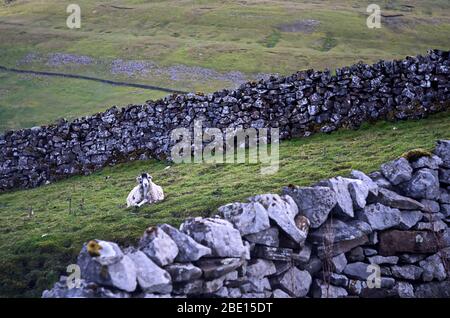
(145, 192)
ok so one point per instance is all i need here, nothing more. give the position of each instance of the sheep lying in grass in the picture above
(145, 192)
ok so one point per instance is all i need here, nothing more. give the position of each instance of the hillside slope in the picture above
(34, 252)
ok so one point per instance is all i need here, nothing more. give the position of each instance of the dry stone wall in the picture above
(299, 105)
(327, 240)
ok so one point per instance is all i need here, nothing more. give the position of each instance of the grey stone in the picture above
(313, 202)
(356, 287)
(409, 219)
(121, 274)
(84, 290)
(267, 237)
(183, 272)
(397, 171)
(410, 272)
(412, 258)
(378, 260)
(157, 245)
(445, 209)
(433, 290)
(423, 185)
(188, 288)
(214, 268)
(294, 282)
(435, 226)
(394, 200)
(444, 175)
(340, 186)
(340, 247)
(313, 266)
(261, 268)
(336, 279)
(370, 251)
(303, 256)
(278, 293)
(387, 282)
(379, 216)
(432, 162)
(273, 253)
(248, 218)
(359, 192)
(188, 249)
(323, 290)
(430, 206)
(380, 180)
(356, 254)
(337, 230)
(444, 196)
(372, 186)
(150, 277)
(339, 263)
(282, 212)
(357, 270)
(433, 268)
(404, 290)
(217, 234)
(443, 151)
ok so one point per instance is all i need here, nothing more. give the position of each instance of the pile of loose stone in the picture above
(298, 105)
(320, 241)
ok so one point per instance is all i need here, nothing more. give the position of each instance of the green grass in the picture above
(29, 100)
(33, 253)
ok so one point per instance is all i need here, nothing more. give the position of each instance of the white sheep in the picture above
(145, 192)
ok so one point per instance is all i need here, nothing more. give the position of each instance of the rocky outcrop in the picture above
(268, 247)
(298, 105)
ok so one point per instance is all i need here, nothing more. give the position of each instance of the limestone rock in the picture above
(379, 216)
(183, 272)
(423, 185)
(294, 282)
(217, 234)
(397, 171)
(322, 290)
(188, 249)
(394, 200)
(159, 246)
(150, 277)
(410, 272)
(248, 218)
(443, 151)
(267, 237)
(313, 202)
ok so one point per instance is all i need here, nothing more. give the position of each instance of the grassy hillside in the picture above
(193, 45)
(34, 252)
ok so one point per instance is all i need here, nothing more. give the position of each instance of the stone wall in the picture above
(299, 105)
(320, 241)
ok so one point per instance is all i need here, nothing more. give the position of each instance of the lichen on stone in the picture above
(415, 154)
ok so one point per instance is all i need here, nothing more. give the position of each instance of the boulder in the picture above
(410, 272)
(409, 219)
(397, 171)
(423, 185)
(267, 237)
(217, 234)
(430, 206)
(323, 290)
(150, 277)
(214, 268)
(273, 253)
(356, 255)
(359, 192)
(303, 256)
(339, 263)
(378, 260)
(433, 268)
(444, 175)
(394, 200)
(248, 218)
(404, 290)
(183, 272)
(432, 162)
(294, 282)
(379, 216)
(442, 150)
(433, 290)
(159, 246)
(188, 249)
(358, 270)
(335, 230)
(340, 186)
(396, 241)
(313, 202)
(110, 268)
(283, 214)
(261, 268)
(369, 183)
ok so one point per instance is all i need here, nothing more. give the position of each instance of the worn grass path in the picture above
(33, 253)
